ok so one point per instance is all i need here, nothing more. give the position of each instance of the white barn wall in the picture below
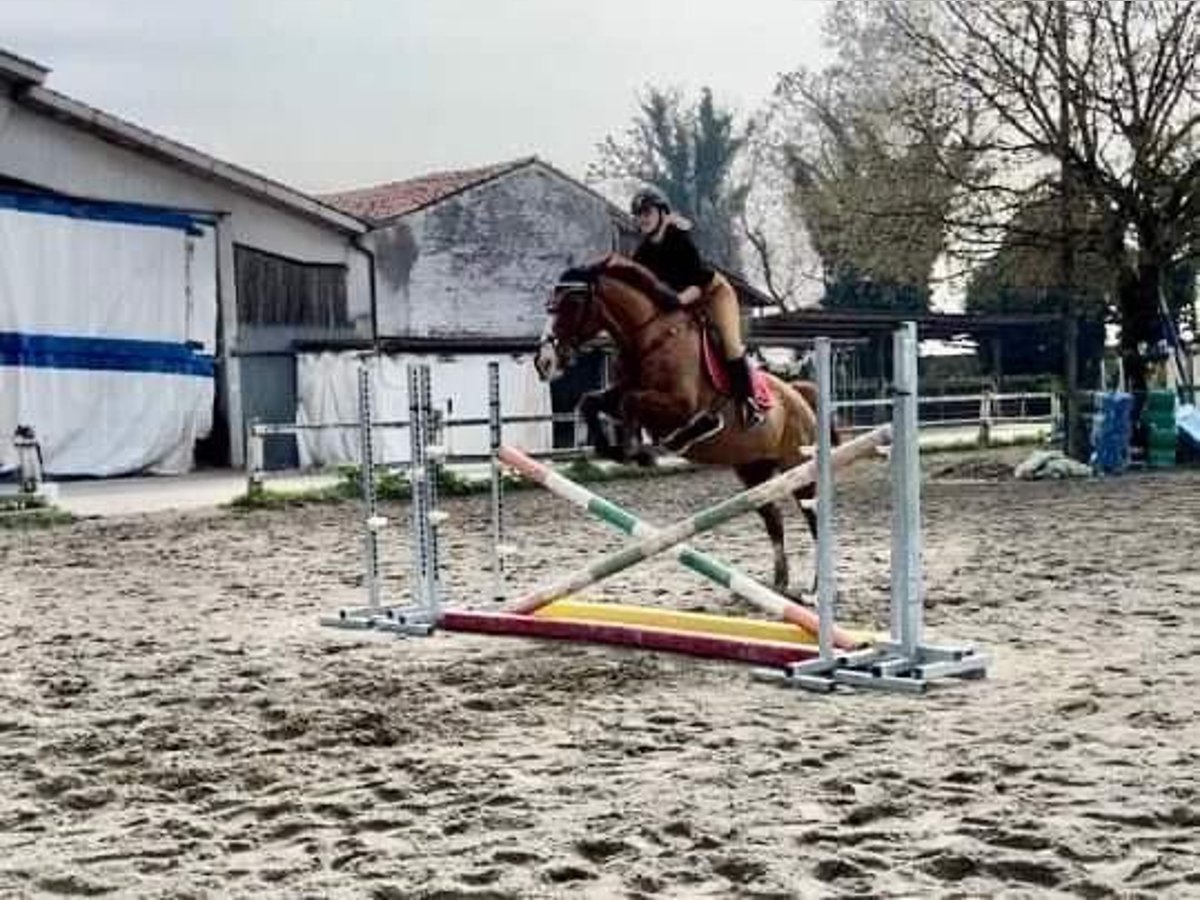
(482, 263)
(60, 157)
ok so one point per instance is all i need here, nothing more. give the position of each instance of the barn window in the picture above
(274, 290)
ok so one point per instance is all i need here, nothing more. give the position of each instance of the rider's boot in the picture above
(752, 414)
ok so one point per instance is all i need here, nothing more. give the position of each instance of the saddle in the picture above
(708, 423)
(714, 368)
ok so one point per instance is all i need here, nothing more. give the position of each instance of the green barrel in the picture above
(1158, 416)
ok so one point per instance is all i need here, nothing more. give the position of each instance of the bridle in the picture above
(561, 291)
(564, 289)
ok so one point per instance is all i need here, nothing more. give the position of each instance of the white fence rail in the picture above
(985, 412)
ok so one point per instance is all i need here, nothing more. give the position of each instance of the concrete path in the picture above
(198, 490)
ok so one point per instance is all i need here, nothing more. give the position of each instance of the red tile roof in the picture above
(398, 198)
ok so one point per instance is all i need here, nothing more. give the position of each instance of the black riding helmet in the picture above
(649, 198)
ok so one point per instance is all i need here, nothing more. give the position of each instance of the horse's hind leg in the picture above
(805, 498)
(753, 474)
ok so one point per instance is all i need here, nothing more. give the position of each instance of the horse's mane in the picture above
(638, 277)
(628, 272)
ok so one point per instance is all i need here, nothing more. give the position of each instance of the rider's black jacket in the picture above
(675, 260)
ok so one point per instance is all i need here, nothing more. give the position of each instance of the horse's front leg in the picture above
(659, 410)
(673, 420)
(591, 407)
(633, 406)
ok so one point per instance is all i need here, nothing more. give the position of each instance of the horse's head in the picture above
(614, 295)
(574, 318)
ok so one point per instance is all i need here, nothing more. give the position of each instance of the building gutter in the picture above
(357, 243)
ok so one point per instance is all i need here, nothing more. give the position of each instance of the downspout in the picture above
(357, 243)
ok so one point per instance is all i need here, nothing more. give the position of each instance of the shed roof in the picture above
(798, 327)
(382, 203)
(393, 199)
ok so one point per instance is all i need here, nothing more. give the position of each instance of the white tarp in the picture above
(1187, 420)
(327, 389)
(107, 333)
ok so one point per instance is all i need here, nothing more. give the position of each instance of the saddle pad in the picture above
(714, 365)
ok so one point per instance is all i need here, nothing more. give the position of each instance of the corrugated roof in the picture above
(399, 198)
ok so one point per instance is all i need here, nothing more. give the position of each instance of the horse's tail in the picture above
(808, 390)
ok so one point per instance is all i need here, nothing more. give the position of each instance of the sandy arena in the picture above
(174, 722)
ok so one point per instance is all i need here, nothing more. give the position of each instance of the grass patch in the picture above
(394, 485)
(268, 498)
(31, 513)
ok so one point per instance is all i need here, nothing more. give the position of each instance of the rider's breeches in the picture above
(723, 308)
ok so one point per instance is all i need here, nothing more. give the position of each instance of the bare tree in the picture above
(781, 253)
(691, 153)
(1107, 92)
(874, 158)
(1024, 274)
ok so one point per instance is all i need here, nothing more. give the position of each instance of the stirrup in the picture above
(703, 426)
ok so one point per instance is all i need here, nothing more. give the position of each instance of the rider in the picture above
(668, 251)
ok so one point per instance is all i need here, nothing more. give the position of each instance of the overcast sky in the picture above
(328, 94)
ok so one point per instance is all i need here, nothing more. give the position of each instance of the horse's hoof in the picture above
(609, 452)
(645, 459)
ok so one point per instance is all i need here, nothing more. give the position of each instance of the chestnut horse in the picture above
(664, 386)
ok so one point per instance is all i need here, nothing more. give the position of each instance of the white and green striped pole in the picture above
(758, 594)
(705, 520)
